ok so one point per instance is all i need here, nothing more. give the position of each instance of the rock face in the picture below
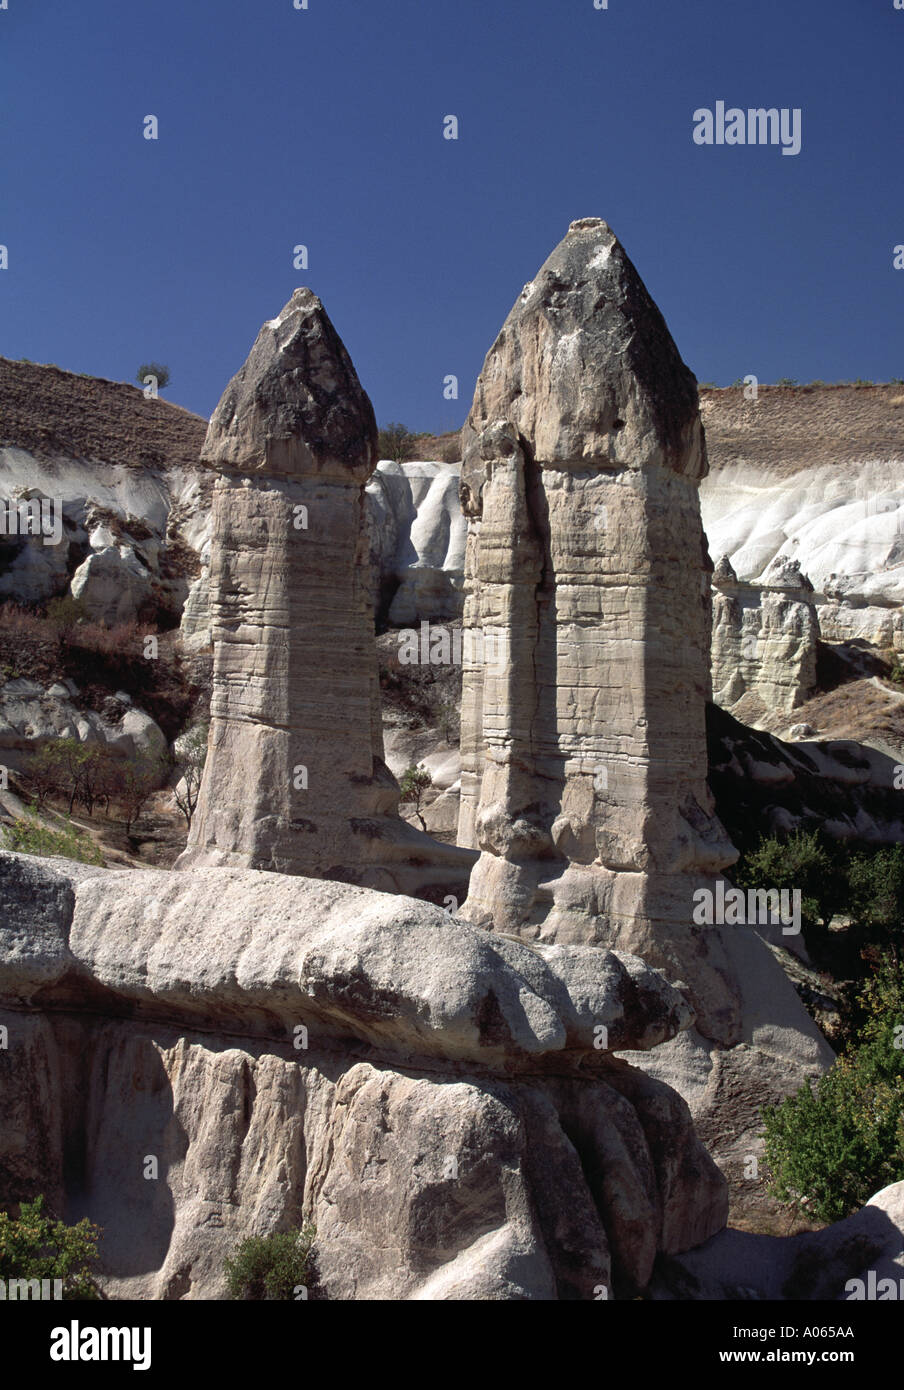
(118, 475)
(584, 754)
(814, 474)
(765, 786)
(765, 640)
(417, 541)
(583, 759)
(433, 1098)
(845, 1262)
(32, 715)
(295, 779)
(113, 585)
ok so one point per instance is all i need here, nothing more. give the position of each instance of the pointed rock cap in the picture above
(296, 408)
(784, 573)
(724, 572)
(585, 368)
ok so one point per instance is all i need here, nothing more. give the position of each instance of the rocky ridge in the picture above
(433, 1098)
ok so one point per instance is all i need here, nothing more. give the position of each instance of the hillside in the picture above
(46, 412)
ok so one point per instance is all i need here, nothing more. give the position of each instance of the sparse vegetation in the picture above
(65, 611)
(852, 901)
(833, 1145)
(188, 764)
(801, 861)
(415, 781)
(449, 718)
(271, 1267)
(396, 441)
(155, 369)
(30, 836)
(37, 1246)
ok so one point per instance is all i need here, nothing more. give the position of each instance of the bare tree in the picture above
(188, 761)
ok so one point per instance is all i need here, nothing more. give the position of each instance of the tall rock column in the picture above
(584, 757)
(295, 779)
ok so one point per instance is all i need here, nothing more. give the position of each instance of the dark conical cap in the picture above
(585, 368)
(296, 407)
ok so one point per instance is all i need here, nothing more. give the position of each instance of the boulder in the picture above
(853, 1260)
(113, 585)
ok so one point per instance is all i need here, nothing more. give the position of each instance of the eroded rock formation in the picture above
(295, 779)
(584, 754)
(441, 1103)
(765, 640)
(584, 759)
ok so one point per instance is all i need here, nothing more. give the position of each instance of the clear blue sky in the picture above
(325, 127)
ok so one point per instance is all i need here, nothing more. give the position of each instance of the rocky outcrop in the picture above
(765, 640)
(584, 754)
(32, 715)
(845, 619)
(764, 786)
(295, 778)
(859, 1258)
(113, 585)
(417, 541)
(813, 474)
(196, 1057)
(583, 759)
(118, 477)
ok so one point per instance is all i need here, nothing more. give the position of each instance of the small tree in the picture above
(138, 779)
(45, 773)
(188, 762)
(449, 719)
(396, 442)
(65, 611)
(877, 895)
(155, 369)
(804, 862)
(415, 781)
(832, 1146)
(37, 1246)
(271, 1267)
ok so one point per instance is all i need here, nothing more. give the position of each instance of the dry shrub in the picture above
(22, 622)
(108, 641)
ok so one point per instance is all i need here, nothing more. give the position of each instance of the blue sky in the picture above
(324, 127)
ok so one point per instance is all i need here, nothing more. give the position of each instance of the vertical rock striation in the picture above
(765, 640)
(584, 756)
(295, 779)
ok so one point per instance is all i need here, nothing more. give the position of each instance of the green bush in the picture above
(271, 1267)
(395, 441)
(415, 781)
(39, 1247)
(832, 1146)
(803, 861)
(29, 836)
(876, 891)
(155, 369)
